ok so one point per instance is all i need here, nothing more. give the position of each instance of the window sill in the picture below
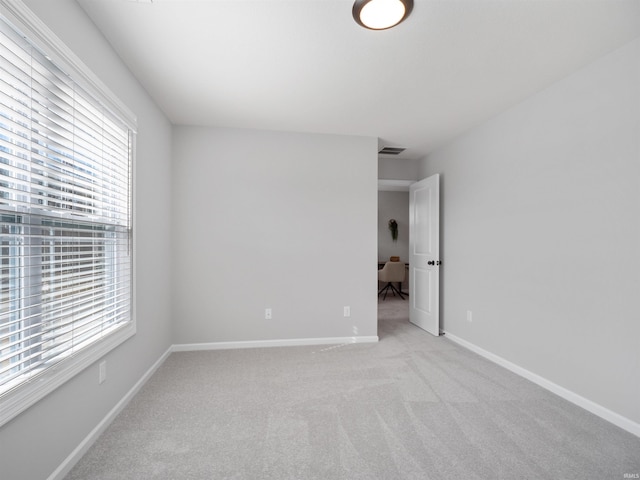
(24, 396)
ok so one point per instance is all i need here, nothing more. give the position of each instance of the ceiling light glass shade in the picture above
(381, 14)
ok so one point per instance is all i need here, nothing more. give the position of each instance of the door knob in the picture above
(431, 262)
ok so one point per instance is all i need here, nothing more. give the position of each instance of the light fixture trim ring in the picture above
(359, 5)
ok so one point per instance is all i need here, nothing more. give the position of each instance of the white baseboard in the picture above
(65, 467)
(602, 412)
(293, 342)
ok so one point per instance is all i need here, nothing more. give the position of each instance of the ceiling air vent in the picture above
(391, 150)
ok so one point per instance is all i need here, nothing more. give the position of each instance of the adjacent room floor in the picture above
(412, 406)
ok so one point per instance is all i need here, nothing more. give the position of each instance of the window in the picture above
(65, 222)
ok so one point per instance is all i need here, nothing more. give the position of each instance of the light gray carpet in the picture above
(410, 407)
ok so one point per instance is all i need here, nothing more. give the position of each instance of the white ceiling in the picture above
(306, 66)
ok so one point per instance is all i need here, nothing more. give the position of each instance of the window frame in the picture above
(25, 395)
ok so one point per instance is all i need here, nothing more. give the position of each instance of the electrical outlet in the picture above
(267, 314)
(355, 330)
(347, 311)
(469, 316)
(102, 372)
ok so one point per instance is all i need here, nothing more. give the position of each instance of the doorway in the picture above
(414, 208)
(393, 204)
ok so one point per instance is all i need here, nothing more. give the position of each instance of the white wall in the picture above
(390, 168)
(393, 205)
(36, 442)
(279, 220)
(541, 233)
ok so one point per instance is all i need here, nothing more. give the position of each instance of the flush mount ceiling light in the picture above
(381, 14)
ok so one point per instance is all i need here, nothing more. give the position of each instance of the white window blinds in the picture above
(65, 215)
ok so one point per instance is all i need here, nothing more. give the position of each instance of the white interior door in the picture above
(424, 254)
